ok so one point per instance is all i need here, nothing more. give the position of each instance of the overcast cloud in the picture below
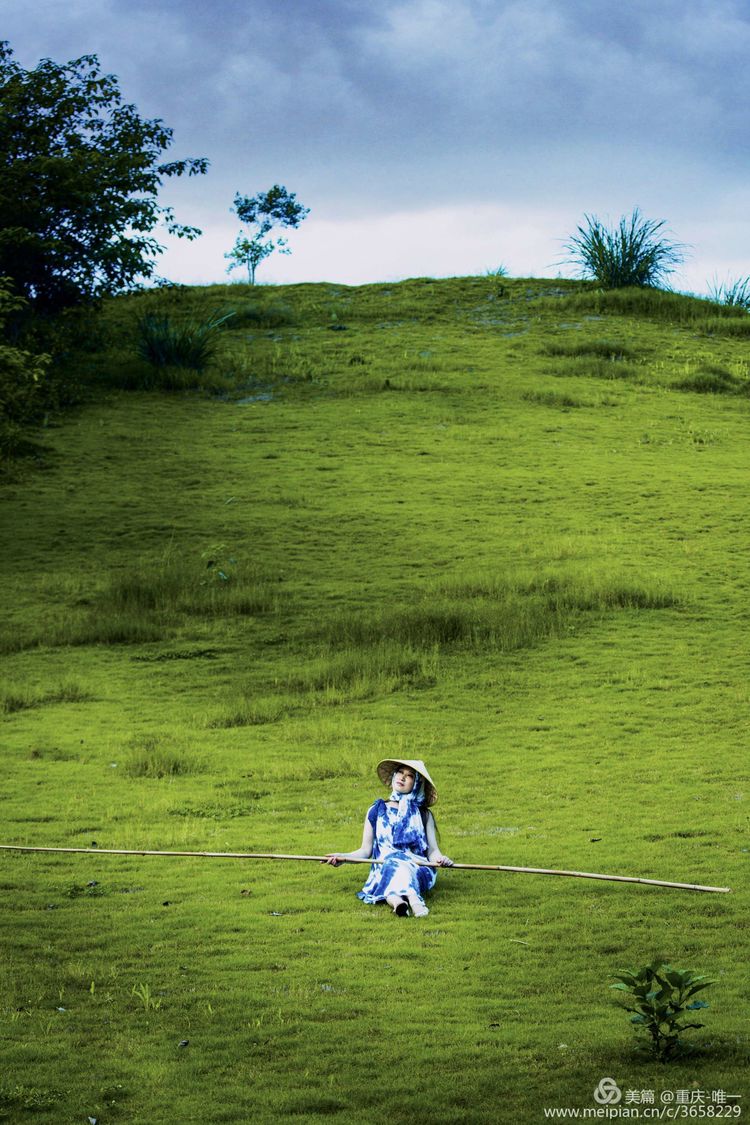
(433, 136)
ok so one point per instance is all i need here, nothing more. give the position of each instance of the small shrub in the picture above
(660, 996)
(192, 344)
(635, 253)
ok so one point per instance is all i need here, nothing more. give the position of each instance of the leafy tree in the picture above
(264, 211)
(23, 379)
(80, 173)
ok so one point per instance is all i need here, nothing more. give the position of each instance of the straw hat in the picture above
(387, 767)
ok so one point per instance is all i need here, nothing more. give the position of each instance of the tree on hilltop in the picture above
(80, 173)
(265, 211)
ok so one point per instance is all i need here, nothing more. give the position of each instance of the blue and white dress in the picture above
(399, 840)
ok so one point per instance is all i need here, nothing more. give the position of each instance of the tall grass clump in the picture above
(363, 673)
(634, 253)
(165, 344)
(713, 380)
(719, 326)
(602, 349)
(593, 367)
(150, 601)
(350, 674)
(277, 315)
(598, 359)
(156, 757)
(23, 699)
(657, 305)
(733, 294)
(552, 398)
(495, 613)
(254, 712)
(186, 587)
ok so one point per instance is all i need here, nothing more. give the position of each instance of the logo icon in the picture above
(607, 1092)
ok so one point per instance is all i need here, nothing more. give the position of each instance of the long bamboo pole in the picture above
(351, 859)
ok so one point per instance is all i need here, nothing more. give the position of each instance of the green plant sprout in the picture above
(143, 993)
(660, 1000)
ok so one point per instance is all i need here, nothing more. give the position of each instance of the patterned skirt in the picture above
(398, 874)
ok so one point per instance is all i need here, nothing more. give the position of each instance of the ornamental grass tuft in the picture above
(165, 344)
(634, 253)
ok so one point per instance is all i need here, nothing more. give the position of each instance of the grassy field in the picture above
(498, 525)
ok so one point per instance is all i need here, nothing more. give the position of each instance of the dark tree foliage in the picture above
(80, 173)
(24, 386)
(275, 207)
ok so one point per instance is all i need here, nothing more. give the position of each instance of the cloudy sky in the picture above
(433, 137)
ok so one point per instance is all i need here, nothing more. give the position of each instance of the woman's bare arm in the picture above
(434, 854)
(364, 851)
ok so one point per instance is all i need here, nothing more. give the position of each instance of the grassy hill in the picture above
(497, 525)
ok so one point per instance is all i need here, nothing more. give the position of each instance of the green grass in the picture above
(147, 602)
(713, 380)
(660, 305)
(23, 698)
(731, 292)
(158, 756)
(221, 610)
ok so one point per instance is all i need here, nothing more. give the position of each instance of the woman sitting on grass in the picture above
(401, 833)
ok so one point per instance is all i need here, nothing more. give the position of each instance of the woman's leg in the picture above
(418, 908)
